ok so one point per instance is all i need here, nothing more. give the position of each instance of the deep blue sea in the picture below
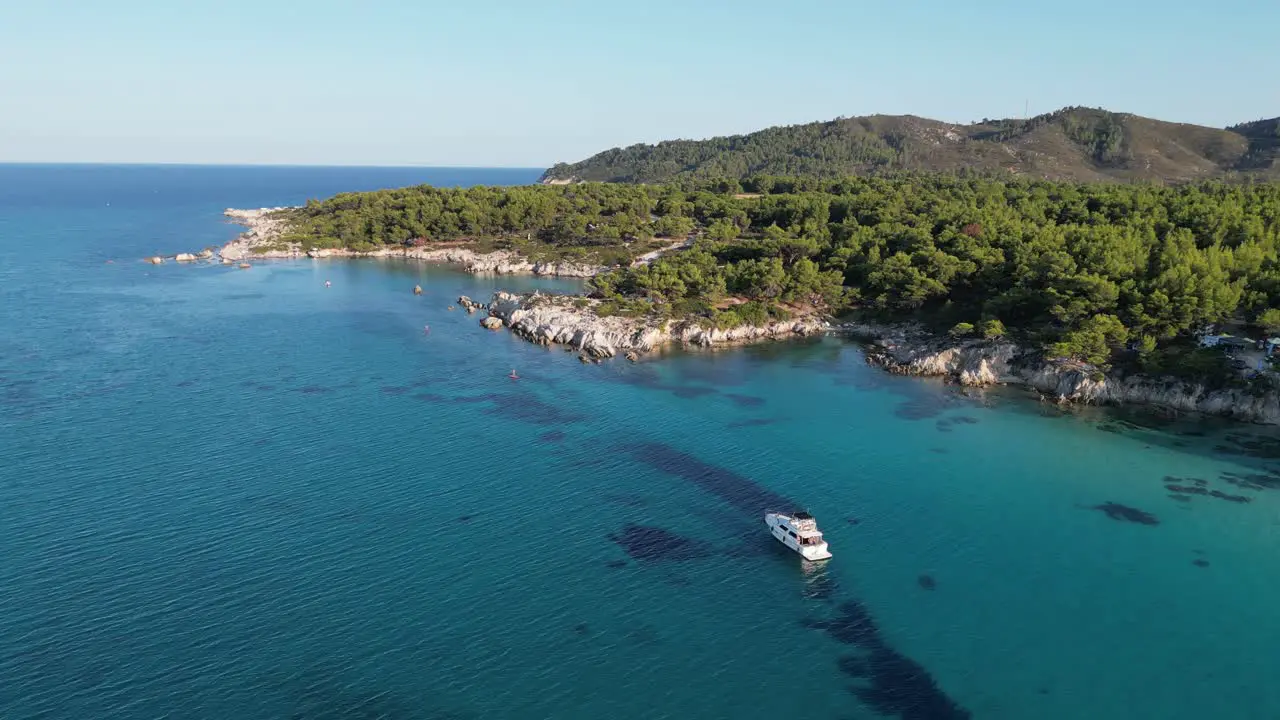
(240, 494)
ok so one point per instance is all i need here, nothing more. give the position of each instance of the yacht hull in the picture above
(778, 527)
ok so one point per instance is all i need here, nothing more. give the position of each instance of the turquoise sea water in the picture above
(239, 494)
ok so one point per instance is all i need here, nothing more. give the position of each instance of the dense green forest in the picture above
(606, 224)
(1091, 271)
(1074, 143)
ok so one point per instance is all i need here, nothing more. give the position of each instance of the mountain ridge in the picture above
(1074, 143)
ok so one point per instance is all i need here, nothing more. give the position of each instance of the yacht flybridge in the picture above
(798, 531)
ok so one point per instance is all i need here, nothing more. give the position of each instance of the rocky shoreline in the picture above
(265, 226)
(909, 350)
(901, 349)
(573, 322)
(206, 254)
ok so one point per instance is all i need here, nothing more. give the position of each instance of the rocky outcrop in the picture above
(469, 304)
(909, 350)
(572, 321)
(500, 262)
(1076, 383)
(266, 227)
(182, 257)
(491, 323)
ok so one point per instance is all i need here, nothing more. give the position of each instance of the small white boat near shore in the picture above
(798, 531)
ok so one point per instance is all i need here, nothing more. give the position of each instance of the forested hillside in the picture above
(1264, 144)
(1084, 270)
(1070, 144)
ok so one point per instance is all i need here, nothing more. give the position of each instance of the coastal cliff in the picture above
(908, 350)
(573, 321)
(266, 227)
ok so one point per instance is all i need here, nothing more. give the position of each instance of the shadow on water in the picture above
(752, 422)
(647, 544)
(948, 423)
(1124, 513)
(316, 695)
(1254, 445)
(648, 377)
(1182, 489)
(929, 398)
(745, 401)
(1253, 481)
(25, 396)
(893, 683)
(692, 392)
(695, 380)
(526, 407)
(517, 405)
(739, 492)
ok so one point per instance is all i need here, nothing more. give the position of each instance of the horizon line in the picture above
(92, 163)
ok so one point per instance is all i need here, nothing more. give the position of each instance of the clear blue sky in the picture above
(532, 82)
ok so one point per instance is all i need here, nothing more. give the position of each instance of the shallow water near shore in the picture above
(230, 493)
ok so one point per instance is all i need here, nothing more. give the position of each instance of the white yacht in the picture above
(798, 531)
